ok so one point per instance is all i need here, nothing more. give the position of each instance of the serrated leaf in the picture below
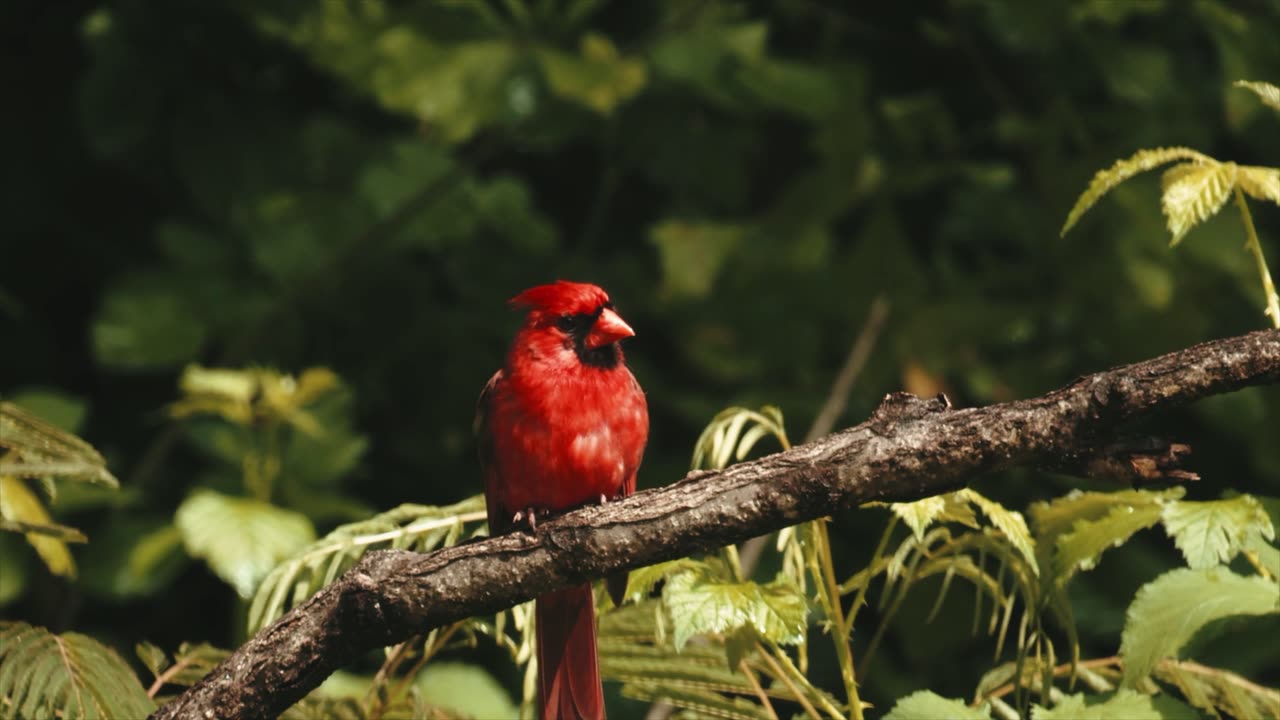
(1169, 610)
(1061, 514)
(1088, 539)
(242, 539)
(155, 659)
(1106, 180)
(1212, 689)
(927, 705)
(920, 514)
(1269, 94)
(640, 582)
(1193, 193)
(698, 605)
(1212, 533)
(67, 676)
(1262, 183)
(22, 509)
(1123, 705)
(1009, 522)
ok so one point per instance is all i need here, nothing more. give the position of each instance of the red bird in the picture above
(561, 425)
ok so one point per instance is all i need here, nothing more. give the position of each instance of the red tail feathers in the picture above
(568, 669)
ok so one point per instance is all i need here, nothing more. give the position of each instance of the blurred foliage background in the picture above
(359, 186)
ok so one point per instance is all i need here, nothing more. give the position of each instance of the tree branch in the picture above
(909, 449)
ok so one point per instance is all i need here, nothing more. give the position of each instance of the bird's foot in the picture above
(529, 516)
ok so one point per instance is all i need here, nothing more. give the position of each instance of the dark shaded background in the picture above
(362, 185)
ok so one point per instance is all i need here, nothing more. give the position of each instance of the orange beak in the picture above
(609, 328)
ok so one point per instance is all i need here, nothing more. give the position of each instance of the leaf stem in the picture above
(1255, 246)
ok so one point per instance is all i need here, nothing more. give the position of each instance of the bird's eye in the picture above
(567, 323)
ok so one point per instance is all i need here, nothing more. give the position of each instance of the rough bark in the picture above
(909, 449)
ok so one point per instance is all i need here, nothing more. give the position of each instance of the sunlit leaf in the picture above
(698, 605)
(1212, 533)
(1088, 539)
(43, 675)
(1193, 193)
(927, 705)
(40, 449)
(242, 539)
(1269, 94)
(1262, 183)
(1009, 522)
(27, 514)
(1169, 610)
(1106, 180)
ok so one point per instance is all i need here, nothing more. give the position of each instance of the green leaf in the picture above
(242, 539)
(134, 557)
(692, 254)
(60, 409)
(1059, 516)
(641, 581)
(1212, 533)
(466, 689)
(1262, 183)
(155, 659)
(1124, 705)
(1269, 94)
(1081, 548)
(1009, 522)
(1106, 180)
(146, 324)
(699, 604)
(23, 511)
(67, 676)
(927, 705)
(1193, 193)
(409, 527)
(40, 449)
(697, 702)
(599, 77)
(1169, 610)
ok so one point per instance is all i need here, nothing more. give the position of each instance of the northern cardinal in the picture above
(561, 425)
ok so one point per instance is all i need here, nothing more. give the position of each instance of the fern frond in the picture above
(65, 676)
(1262, 183)
(1106, 180)
(1193, 193)
(39, 449)
(1269, 94)
(408, 527)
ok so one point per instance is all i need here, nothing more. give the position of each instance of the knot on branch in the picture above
(901, 407)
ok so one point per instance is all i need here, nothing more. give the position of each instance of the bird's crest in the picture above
(562, 298)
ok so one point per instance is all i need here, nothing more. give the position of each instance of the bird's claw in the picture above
(528, 514)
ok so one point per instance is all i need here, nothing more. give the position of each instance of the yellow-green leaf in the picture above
(927, 705)
(241, 538)
(598, 77)
(1009, 522)
(20, 505)
(1212, 533)
(697, 605)
(40, 449)
(1106, 180)
(1262, 183)
(1169, 610)
(1193, 193)
(1269, 94)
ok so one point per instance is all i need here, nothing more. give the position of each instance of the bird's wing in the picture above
(499, 515)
